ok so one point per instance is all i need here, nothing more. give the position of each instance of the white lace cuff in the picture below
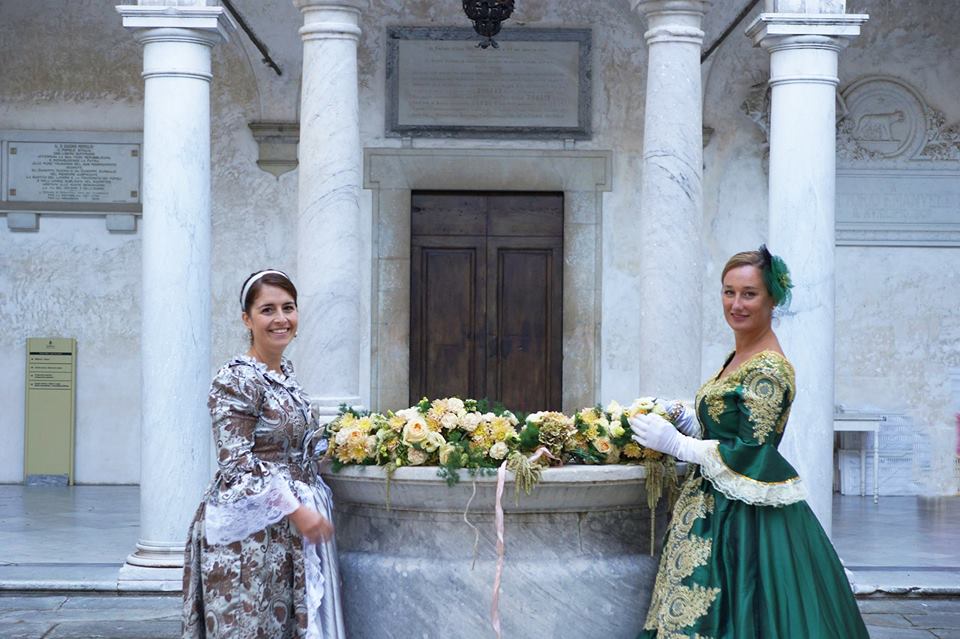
(751, 491)
(225, 523)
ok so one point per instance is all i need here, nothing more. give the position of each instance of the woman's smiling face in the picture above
(272, 319)
(747, 306)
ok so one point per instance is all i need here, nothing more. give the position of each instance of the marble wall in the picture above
(896, 339)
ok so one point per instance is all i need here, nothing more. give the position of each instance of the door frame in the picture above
(392, 174)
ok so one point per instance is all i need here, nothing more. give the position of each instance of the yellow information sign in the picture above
(51, 400)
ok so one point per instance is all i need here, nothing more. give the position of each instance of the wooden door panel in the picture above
(443, 213)
(524, 326)
(486, 297)
(525, 214)
(446, 318)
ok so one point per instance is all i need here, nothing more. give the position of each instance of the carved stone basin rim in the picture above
(563, 489)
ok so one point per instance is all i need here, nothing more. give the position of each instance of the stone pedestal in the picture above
(328, 227)
(671, 205)
(804, 49)
(576, 561)
(175, 329)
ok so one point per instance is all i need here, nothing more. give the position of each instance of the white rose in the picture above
(445, 451)
(615, 409)
(371, 444)
(416, 457)
(535, 418)
(643, 405)
(470, 422)
(433, 441)
(455, 404)
(346, 435)
(448, 421)
(499, 450)
(408, 413)
(415, 432)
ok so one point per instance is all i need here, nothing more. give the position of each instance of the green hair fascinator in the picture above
(776, 276)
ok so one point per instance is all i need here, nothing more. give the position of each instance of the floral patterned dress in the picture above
(745, 557)
(247, 572)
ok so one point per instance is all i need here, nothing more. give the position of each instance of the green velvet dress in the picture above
(744, 556)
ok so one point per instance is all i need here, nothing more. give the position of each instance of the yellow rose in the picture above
(349, 436)
(603, 445)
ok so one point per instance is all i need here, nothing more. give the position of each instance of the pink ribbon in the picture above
(501, 480)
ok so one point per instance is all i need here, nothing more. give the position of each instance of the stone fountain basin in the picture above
(577, 553)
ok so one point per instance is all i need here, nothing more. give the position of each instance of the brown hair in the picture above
(744, 258)
(273, 279)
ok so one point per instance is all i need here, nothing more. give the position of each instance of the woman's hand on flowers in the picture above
(311, 524)
(684, 419)
(653, 431)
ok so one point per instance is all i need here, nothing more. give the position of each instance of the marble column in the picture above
(328, 224)
(175, 324)
(804, 49)
(671, 203)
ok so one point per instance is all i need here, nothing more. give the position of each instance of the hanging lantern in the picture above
(487, 16)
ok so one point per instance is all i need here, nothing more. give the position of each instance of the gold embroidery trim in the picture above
(767, 380)
(674, 606)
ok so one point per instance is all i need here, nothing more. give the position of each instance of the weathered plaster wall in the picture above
(69, 65)
(898, 331)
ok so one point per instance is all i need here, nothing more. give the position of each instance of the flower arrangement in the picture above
(453, 434)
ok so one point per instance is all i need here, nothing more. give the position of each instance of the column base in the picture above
(154, 566)
(142, 579)
(327, 408)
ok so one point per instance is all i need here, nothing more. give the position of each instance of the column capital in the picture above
(331, 19)
(213, 21)
(770, 29)
(672, 20)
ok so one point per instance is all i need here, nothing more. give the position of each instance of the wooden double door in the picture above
(486, 297)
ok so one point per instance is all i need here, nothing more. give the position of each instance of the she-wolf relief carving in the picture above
(877, 127)
(879, 118)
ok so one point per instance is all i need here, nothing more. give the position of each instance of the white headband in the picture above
(252, 280)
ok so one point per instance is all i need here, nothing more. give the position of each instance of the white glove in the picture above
(684, 419)
(657, 433)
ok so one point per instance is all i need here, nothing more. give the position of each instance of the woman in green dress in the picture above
(744, 556)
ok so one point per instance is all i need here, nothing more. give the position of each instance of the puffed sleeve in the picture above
(251, 493)
(749, 467)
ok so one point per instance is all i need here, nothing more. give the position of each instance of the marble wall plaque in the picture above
(535, 84)
(75, 172)
(898, 207)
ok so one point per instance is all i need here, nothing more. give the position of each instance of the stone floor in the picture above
(61, 549)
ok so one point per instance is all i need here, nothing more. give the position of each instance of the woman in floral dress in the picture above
(745, 557)
(260, 560)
